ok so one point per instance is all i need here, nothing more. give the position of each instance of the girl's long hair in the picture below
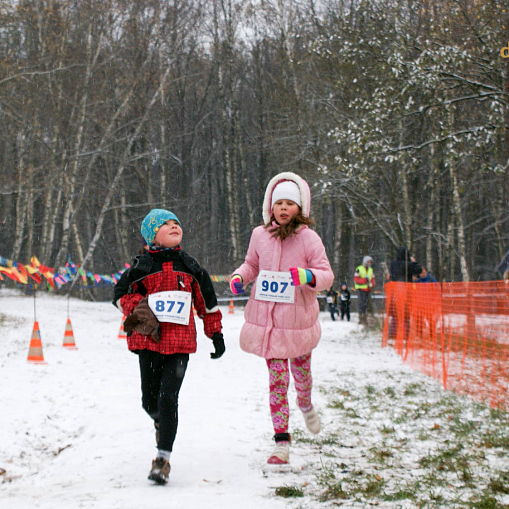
(286, 230)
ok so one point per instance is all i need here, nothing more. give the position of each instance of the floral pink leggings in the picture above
(279, 379)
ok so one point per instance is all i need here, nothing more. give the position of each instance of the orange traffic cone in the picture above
(35, 351)
(230, 307)
(121, 332)
(69, 336)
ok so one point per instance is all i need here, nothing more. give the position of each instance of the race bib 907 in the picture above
(173, 307)
(275, 287)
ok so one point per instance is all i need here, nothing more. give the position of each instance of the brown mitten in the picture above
(142, 320)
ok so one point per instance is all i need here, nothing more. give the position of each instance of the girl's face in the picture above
(169, 235)
(284, 211)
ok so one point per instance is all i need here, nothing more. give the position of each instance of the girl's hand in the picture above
(301, 276)
(236, 285)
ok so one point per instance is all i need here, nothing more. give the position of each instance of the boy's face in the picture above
(169, 234)
(284, 211)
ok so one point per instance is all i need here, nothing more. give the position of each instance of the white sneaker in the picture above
(312, 420)
(280, 455)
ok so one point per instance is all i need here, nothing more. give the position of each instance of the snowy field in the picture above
(74, 435)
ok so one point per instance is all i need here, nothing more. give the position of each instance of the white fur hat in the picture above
(286, 191)
(287, 176)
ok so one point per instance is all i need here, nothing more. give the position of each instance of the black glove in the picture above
(218, 341)
(142, 320)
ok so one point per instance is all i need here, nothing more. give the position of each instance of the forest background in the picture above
(396, 112)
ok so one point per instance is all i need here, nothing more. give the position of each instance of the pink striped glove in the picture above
(236, 285)
(301, 276)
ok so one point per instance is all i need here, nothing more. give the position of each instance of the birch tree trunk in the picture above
(336, 255)
(228, 125)
(120, 169)
(21, 197)
(456, 200)
(57, 168)
(286, 23)
(462, 251)
(451, 251)
(441, 247)
(242, 158)
(408, 230)
(30, 211)
(71, 185)
(431, 211)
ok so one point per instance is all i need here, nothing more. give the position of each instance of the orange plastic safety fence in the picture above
(457, 333)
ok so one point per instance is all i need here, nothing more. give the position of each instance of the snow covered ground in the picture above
(74, 435)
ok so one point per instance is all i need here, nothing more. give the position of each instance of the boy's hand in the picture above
(143, 321)
(236, 285)
(301, 276)
(218, 342)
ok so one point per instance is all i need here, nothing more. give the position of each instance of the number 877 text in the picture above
(171, 304)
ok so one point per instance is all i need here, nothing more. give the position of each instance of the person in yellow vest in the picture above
(364, 280)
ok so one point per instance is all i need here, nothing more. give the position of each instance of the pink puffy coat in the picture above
(279, 330)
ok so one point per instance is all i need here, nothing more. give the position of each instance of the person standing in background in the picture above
(332, 300)
(344, 299)
(364, 280)
(425, 276)
(404, 267)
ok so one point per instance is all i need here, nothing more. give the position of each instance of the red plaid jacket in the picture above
(169, 270)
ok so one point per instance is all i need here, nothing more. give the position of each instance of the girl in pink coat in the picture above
(287, 264)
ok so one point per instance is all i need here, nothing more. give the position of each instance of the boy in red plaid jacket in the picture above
(156, 294)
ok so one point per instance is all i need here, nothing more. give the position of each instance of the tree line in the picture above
(396, 112)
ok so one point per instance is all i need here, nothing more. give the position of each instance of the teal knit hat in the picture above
(153, 221)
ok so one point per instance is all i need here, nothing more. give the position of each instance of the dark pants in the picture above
(161, 379)
(345, 310)
(363, 304)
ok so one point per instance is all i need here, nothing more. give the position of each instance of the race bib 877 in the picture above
(173, 307)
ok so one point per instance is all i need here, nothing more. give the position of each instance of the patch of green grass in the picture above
(465, 475)
(381, 455)
(387, 430)
(462, 428)
(336, 404)
(500, 484)
(423, 409)
(400, 419)
(404, 494)
(390, 392)
(412, 389)
(436, 496)
(423, 436)
(353, 486)
(486, 501)
(334, 490)
(289, 491)
(463, 439)
(298, 436)
(330, 439)
(373, 487)
(496, 439)
(451, 460)
(370, 389)
(499, 414)
(327, 473)
(350, 412)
